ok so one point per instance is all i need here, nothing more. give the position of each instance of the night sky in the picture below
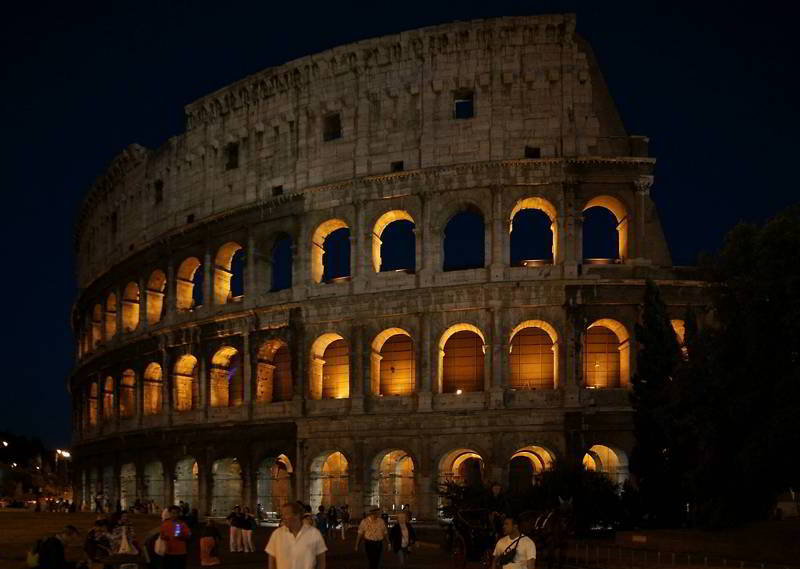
(711, 83)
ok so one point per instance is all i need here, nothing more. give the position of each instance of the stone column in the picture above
(119, 292)
(171, 289)
(166, 375)
(496, 256)
(360, 259)
(203, 378)
(144, 322)
(208, 278)
(247, 373)
(498, 346)
(570, 235)
(357, 370)
(300, 490)
(424, 351)
(139, 394)
(643, 185)
(251, 280)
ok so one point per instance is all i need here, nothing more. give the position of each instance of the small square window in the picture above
(532, 152)
(332, 127)
(232, 156)
(397, 166)
(277, 191)
(190, 218)
(463, 104)
(158, 190)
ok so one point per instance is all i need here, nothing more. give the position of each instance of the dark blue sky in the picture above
(711, 83)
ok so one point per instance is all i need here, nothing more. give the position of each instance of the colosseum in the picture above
(367, 271)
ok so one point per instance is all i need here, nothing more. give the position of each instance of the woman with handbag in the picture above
(514, 550)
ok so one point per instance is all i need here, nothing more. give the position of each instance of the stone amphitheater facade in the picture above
(270, 392)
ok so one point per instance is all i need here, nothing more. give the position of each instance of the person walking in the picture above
(321, 522)
(333, 520)
(236, 521)
(402, 537)
(209, 544)
(372, 530)
(175, 535)
(248, 525)
(514, 550)
(295, 545)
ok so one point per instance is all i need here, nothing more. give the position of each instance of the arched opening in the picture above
(461, 353)
(229, 273)
(330, 251)
(108, 399)
(109, 486)
(154, 484)
(525, 466)
(394, 242)
(612, 462)
(605, 230)
(127, 485)
(130, 307)
(156, 285)
(97, 325)
(91, 408)
(187, 481)
(189, 285)
(227, 491)
(127, 394)
(393, 481)
(153, 389)
(329, 480)
(281, 258)
(534, 233)
(533, 356)
(679, 326)
(274, 484)
(274, 372)
(184, 380)
(462, 466)
(330, 368)
(111, 316)
(606, 360)
(227, 387)
(464, 241)
(393, 366)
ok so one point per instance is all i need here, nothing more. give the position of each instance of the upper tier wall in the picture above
(534, 84)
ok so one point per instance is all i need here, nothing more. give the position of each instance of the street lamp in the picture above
(5, 443)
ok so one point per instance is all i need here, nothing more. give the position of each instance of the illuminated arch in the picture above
(226, 384)
(543, 205)
(223, 273)
(111, 316)
(130, 307)
(274, 372)
(463, 466)
(329, 480)
(392, 372)
(318, 245)
(274, 483)
(108, 398)
(679, 326)
(617, 208)
(226, 474)
(393, 484)
(533, 358)
(91, 408)
(185, 283)
(153, 389)
(187, 481)
(611, 461)
(606, 355)
(469, 365)
(127, 394)
(330, 368)
(382, 223)
(154, 483)
(97, 326)
(156, 285)
(185, 383)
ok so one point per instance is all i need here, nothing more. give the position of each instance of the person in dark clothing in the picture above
(51, 551)
(402, 537)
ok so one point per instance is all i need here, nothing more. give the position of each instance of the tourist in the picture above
(248, 525)
(98, 540)
(333, 520)
(321, 522)
(175, 535)
(308, 520)
(209, 544)
(123, 537)
(295, 545)
(373, 530)
(345, 520)
(402, 537)
(514, 550)
(236, 521)
(51, 551)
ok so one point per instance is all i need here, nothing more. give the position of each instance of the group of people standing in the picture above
(242, 523)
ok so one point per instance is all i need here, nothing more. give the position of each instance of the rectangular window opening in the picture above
(397, 166)
(332, 127)
(533, 152)
(232, 156)
(463, 107)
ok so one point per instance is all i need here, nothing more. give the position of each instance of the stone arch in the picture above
(393, 369)
(606, 355)
(381, 224)
(127, 394)
(393, 482)
(188, 285)
(130, 307)
(463, 466)
(274, 372)
(526, 465)
(533, 356)
(618, 209)
(227, 387)
(153, 388)
(611, 461)
(462, 348)
(459, 253)
(127, 485)
(540, 204)
(274, 484)
(156, 285)
(329, 479)
(111, 316)
(321, 233)
(281, 261)
(330, 367)
(187, 481)
(184, 379)
(97, 326)
(224, 277)
(108, 399)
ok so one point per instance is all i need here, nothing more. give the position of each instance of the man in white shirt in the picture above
(294, 545)
(518, 547)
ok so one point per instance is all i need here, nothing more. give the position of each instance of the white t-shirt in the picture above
(292, 552)
(526, 550)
